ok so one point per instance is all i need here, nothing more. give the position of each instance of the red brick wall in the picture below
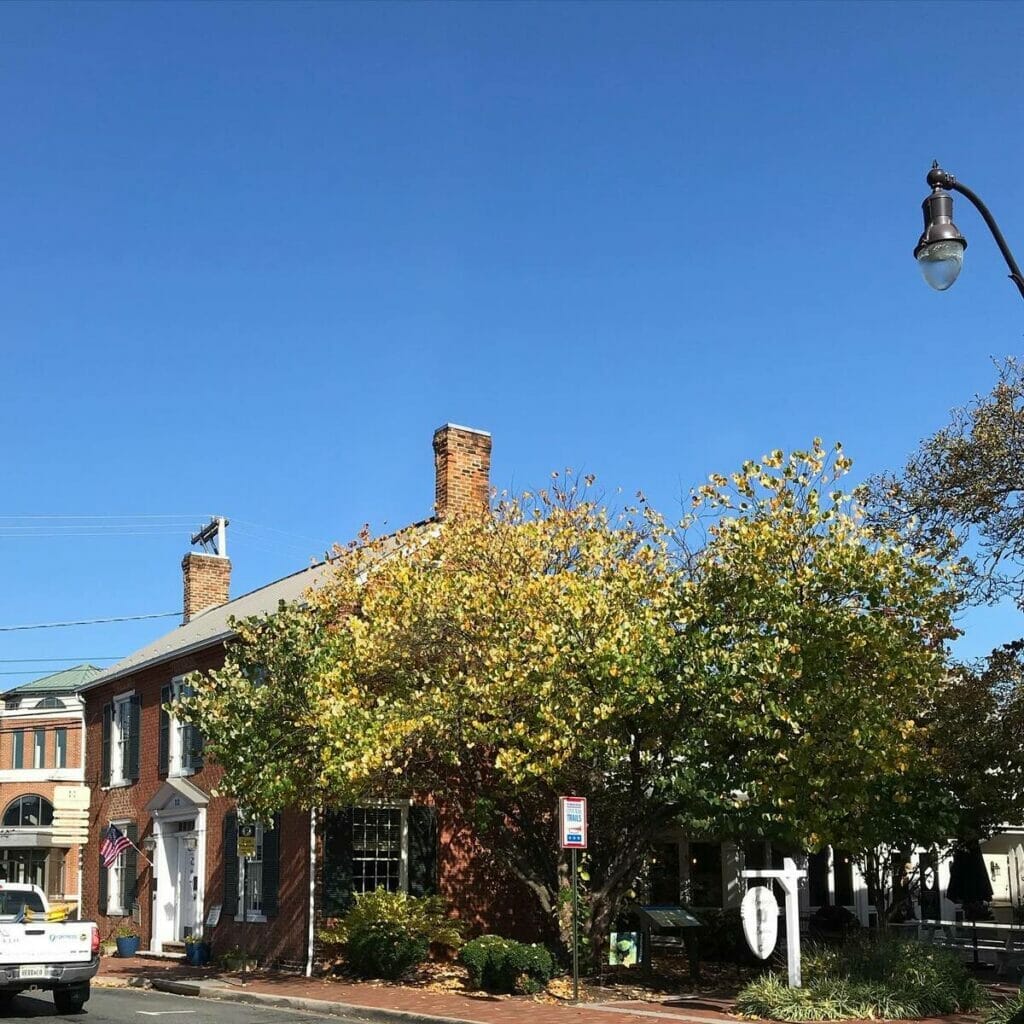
(283, 937)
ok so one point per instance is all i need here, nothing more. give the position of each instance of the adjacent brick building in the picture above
(150, 779)
(41, 749)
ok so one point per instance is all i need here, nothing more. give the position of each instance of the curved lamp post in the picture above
(940, 250)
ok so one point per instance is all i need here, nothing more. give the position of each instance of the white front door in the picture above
(186, 888)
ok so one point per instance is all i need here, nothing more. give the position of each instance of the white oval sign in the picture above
(760, 913)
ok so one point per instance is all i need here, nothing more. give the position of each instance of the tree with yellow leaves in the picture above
(754, 670)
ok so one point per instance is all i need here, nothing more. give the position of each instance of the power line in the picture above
(26, 661)
(105, 515)
(90, 622)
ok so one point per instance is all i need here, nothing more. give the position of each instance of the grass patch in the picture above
(1010, 1012)
(870, 977)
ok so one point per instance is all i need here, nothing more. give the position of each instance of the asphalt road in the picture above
(139, 1006)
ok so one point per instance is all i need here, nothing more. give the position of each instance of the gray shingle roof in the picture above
(211, 627)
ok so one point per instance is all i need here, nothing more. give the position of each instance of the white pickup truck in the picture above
(62, 956)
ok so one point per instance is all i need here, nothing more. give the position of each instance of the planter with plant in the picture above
(197, 950)
(127, 938)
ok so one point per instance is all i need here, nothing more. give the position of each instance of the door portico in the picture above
(179, 861)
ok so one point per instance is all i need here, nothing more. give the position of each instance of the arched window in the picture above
(28, 812)
(50, 702)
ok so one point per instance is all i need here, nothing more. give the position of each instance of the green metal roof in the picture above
(68, 680)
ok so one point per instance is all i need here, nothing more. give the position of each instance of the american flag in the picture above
(114, 841)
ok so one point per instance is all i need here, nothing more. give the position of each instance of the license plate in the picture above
(32, 971)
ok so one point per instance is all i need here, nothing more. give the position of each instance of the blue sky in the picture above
(253, 254)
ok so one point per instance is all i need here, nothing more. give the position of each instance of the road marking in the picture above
(162, 1013)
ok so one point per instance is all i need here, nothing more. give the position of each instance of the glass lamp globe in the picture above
(940, 262)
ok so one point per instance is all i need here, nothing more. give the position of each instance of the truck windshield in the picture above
(14, 904)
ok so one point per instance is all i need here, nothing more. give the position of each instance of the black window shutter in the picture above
(422, 850)
(108, 714)
(230, 853)
(102, 908)
(271, 867)
(131, 868)
(134, 730)
(337, 865)
(165, 731)
(192, 740)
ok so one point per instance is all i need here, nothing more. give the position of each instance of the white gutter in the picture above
(312, 892)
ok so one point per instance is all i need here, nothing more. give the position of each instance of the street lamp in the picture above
(940, 249)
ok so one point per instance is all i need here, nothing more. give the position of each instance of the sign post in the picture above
(789, 878)
(246, 850)
(572, 831)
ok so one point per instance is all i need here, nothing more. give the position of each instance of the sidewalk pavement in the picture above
(395, 1004)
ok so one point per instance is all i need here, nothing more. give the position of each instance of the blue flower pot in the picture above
(198, 954)
(127, 945)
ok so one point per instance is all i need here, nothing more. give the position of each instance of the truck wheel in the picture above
(72, 999)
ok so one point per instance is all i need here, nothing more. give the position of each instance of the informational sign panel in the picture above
(760, 914)
(71, 798)
(71, 815)
(213, 917)
(668, 915)
(246, 840)
(572, 822)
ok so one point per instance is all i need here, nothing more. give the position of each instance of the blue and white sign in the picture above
(572, 820)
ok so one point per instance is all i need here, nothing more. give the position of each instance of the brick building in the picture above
(40, 749)
(149, 777)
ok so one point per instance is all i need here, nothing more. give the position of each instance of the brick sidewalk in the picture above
(478, 1008)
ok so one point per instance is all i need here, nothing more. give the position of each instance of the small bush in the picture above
(1010, 1012)
(867, 978)
(382, 950)
(410, 923)
(504, 965)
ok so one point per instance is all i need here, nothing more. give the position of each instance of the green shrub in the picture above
(867, 978)
(423, 917)
(504, 965)
(1010, 1012)
(411, 923)
(382, 950)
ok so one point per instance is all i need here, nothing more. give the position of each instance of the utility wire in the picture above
(26, 661)
(90, 622)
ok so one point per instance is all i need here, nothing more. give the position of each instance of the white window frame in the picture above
(116, 880)
(176, 735)
(60, 749)
(120, 719)
(403, 865)
(38, 748)
(245, 876)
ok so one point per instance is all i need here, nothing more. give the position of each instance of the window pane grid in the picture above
(376, 848)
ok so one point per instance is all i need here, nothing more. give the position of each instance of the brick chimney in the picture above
(207, 574)
(462, 470)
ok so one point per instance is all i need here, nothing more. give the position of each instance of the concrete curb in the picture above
(374, 1014)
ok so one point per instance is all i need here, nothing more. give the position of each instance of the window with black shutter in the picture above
(108, 716)
(230, 854)
(271, 853)
(165, 731)
(131, 868)
(134, 735)
(423, 847)
(337, 862)
(103, 876)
